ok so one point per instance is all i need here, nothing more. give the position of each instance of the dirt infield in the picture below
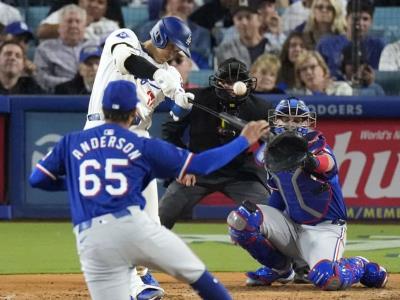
(72, 286)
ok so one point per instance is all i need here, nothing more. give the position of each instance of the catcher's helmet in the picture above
(230, 71)
(174, 30)
(291, 114)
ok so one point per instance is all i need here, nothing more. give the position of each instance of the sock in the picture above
(209, 288)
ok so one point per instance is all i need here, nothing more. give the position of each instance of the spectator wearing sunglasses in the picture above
(326, 18)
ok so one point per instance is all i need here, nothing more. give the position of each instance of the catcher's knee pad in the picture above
(244, 230)
(337, 275)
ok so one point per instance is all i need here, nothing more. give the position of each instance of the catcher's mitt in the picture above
(286, 152)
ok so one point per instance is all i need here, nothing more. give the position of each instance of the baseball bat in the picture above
(236, 122)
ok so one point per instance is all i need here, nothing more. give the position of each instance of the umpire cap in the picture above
(120, 95)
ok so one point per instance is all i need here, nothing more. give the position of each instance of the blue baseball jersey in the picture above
(107, 168)
(309, 198)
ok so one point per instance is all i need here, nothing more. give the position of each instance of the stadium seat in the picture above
(200, 77)
(386, 16)
(34, 15)
(389, 82)
(31, 51)
(135, 15)
(386, 23)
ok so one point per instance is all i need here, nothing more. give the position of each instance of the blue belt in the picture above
(339, 222)
(118, 214)
(94, 117)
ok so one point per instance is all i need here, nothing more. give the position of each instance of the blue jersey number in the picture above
(91, 184)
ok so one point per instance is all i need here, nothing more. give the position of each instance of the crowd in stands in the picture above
(303, 47)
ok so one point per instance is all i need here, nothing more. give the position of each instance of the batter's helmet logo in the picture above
(122, 35)
(189, 40)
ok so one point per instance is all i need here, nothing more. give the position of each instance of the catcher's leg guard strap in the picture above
(337, 275)
(244, 229)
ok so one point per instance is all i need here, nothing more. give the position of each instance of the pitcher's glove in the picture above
(286, 152)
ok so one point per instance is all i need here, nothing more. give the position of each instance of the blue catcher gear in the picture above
(291, 114)
(346, 272)
(374, 275)
(173, 30)
(265, 276)
(244, 229)
(331, 276)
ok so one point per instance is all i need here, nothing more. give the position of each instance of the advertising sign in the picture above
(368, 157)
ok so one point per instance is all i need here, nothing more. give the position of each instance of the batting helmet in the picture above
(230, 71)
(296, 111)
(173, 30)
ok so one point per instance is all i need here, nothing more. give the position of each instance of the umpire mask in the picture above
(229, 72)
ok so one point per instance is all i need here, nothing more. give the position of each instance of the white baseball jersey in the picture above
(149, 94)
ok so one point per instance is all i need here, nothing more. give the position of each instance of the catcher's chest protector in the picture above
(306, 197)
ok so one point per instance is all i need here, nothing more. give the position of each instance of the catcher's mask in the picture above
(230, 71)
(291, 114)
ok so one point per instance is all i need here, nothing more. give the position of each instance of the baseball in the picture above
(239, 88)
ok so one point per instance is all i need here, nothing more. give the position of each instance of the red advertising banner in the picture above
(368, 156)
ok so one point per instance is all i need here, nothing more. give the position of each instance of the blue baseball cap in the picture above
(19, 28)
(120, 95)
(88, 52)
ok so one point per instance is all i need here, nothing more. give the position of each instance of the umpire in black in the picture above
(241, 179)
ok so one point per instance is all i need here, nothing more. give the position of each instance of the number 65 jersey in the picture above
(107, 167)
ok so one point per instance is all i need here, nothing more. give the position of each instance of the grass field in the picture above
(45, 247)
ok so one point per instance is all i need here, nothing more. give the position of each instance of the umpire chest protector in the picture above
(204, 133)
(205, 129)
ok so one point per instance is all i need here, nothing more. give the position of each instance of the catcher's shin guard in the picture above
(244, 229)
(367, 273)
(374, 276)
(336, 275)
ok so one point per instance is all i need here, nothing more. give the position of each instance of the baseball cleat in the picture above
(149, 290)
(149, 279)
(150, 294)
(265, 276)
(301, 275)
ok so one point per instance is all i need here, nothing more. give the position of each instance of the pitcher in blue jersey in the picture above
(106, 169)
(305, 219)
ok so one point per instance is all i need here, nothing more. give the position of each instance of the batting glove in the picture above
(182, 99)
(182, 106)
(167, 82)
